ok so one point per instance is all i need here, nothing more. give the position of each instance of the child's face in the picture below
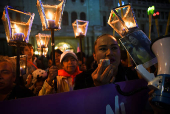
(69, 64)
(28, 51)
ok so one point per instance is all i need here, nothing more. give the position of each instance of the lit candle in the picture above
(42, 43)
(50, 21)
(18, 36)
(130, 24)
(79, 32)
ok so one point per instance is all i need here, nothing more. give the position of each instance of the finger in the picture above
(53, 67)
(100, 66)
(112, 79)
(95, 71)
(151, 92)
(106, 76)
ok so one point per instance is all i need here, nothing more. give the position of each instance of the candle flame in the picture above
(50, 16)
(79, 31)
(129, 24)
(16, 28)
(41, 42)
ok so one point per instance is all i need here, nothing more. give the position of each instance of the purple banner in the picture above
(97, 100)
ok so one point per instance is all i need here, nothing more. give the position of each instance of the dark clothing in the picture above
(84, 80)
(19, 92)
(130, 73)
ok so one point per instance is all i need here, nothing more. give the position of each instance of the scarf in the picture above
(62, 72)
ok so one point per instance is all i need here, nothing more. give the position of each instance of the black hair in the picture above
(100, 37)
(27, 44)
(56, 51)
(123, 55)
(79, 55)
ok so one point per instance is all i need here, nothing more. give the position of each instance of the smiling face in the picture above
(69, 64)
(7, 77)
(106, 47)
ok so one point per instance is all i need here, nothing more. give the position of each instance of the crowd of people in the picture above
(69, 72)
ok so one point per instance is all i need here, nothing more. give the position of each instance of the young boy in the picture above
(66, 76)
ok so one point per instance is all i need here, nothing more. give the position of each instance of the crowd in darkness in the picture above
(71, 71)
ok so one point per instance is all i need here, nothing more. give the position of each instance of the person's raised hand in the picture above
(103, 75)
(29, 80)
(53, 72)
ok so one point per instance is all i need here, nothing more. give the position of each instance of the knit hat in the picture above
(66, 53)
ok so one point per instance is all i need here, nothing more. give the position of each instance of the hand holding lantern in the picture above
(17, 30)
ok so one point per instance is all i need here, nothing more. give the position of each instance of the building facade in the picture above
(96, 12)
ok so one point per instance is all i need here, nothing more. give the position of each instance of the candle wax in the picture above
(19, 36)
(51, 23)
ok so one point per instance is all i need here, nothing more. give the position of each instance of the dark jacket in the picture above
(19, 92)
(84, 80)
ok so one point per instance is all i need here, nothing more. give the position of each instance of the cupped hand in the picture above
(103, 75)
(53, 72)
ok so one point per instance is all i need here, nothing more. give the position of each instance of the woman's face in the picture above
(28, 51)
(70, 64)
(107, 48)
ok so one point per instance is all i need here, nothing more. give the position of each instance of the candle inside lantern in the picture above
(18, 36)
(79, 32)
(130, 24)
(42, 43)
(50, 21)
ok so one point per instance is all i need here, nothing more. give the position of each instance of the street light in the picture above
(51, 17)
(17, 29)
(80, 30)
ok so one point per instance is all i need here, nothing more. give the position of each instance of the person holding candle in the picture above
(58, 53)
(8, 89)
(66, 76)
(105, 47)
(32, 62)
